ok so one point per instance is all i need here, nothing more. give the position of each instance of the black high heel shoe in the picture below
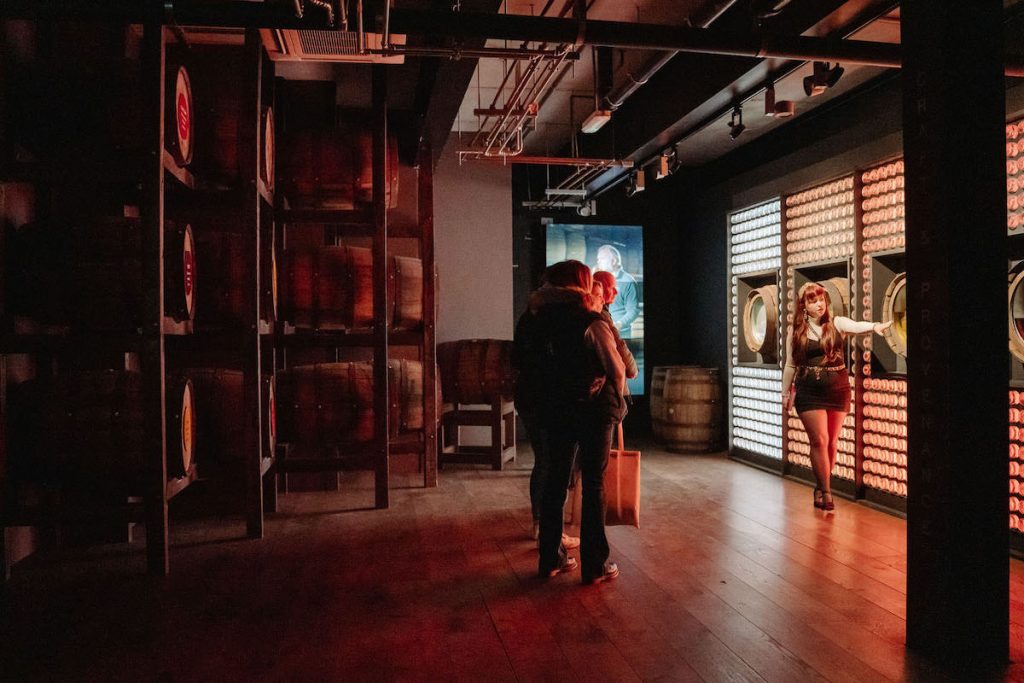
(819, 498)
(827, 503)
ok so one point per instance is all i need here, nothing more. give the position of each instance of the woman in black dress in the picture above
(816, 369)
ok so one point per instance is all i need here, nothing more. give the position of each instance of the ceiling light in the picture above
(778, 109)
(596, 120)
(736, 126)
(784, 109)
(823, 78)
(636, 182)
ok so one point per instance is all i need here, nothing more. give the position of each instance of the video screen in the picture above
(618, 249)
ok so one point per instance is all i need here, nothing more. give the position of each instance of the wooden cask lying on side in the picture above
(88, 427)
(221, 424)
(333, 168)
(476, 370)
(331, 404)
(90, 275)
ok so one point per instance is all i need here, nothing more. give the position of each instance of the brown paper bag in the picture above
(621, 489)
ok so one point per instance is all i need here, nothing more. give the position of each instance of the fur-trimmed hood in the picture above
(553, 296)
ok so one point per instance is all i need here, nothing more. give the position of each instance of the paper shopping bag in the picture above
(622, 487)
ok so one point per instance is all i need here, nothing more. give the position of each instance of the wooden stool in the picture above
(500, 417)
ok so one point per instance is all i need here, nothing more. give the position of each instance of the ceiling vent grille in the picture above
(326, 46)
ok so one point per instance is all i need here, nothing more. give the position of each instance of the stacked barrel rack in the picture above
(372, 347)
(114, 377)
(848, 234)
(113, 368)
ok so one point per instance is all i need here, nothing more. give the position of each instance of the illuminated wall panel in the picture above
(820, 229)
(754, 251)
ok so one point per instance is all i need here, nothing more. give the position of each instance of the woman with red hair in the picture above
(816, 380)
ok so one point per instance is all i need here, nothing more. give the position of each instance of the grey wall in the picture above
(473, 238)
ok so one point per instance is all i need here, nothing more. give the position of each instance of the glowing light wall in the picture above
(754, 385)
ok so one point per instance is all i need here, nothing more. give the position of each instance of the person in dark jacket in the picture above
(571, 376)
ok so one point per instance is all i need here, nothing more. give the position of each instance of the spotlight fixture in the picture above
(668, 163)
(636, 182)
(736, 126)
(823, 78)
(779, 109)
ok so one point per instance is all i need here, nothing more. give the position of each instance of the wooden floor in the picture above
(733, 577)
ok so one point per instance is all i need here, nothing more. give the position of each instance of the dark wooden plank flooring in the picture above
(733, 577)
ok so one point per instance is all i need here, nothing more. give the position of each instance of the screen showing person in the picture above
(626, 307)
(618, 250)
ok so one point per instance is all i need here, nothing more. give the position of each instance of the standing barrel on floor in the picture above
(476, 370)
(221, 422)
(693, 410)
(87, 428)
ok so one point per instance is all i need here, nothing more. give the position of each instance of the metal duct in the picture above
(707, 15)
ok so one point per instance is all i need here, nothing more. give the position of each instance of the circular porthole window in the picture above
(1015, 312)
(761, 321)
(894, 308)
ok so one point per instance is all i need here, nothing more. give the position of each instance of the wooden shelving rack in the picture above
(374, 222)
(154, 179)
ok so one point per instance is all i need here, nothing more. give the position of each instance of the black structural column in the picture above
(954, 116)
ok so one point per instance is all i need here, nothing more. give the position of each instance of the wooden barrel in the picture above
(331, 404)
(476, 370)
(333, 169)
(326, 404)
(317, 288)
(107, 282)
(88, 426)
(407, 274)
(227, 279)
(657, 399)
(761, 321)
(894, 308)
(838, 289)
(92, 105)
(693, 410)
(90, 275)
(221, 415)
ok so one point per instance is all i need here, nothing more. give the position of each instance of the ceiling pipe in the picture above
(648, 37)
(704, 17)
